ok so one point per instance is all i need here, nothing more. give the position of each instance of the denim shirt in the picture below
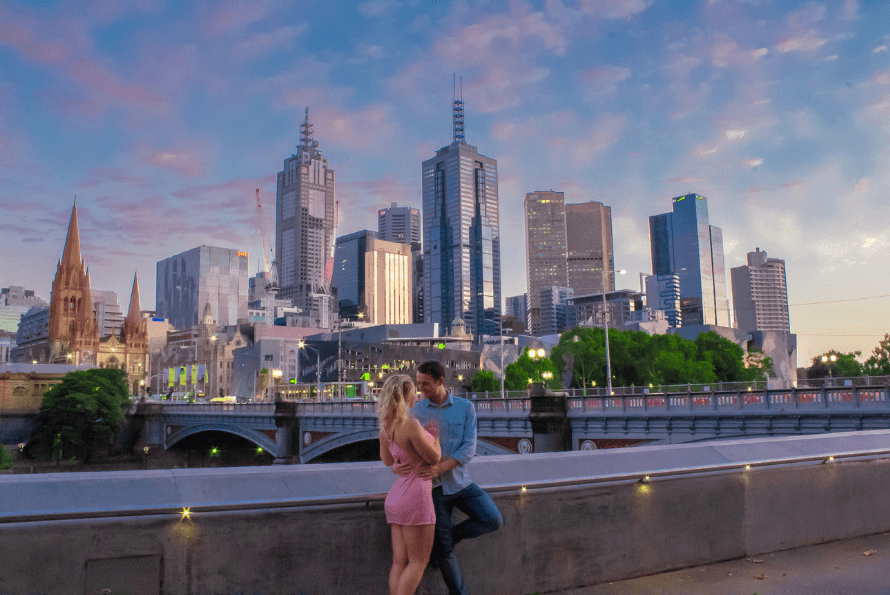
(456, 419)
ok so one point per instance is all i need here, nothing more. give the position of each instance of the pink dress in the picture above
(410, 500)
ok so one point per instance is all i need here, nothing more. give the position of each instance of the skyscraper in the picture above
(189, 281)
(399, 224)
(589, 256)
(461, 237)
(685, 244)
(305, 221)
(567, 245)
(403, 225)
(759, 294)
(545, 249)
(373, 278)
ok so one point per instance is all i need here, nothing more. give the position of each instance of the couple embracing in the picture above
(428, 444)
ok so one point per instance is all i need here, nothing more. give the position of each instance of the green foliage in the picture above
(639, 359)
(526, 370)
(879, 362)
(484, 381)
(5, 459)
(844, 365)
(80, 415)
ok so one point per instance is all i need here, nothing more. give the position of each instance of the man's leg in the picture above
(443, 547)
(482, 514)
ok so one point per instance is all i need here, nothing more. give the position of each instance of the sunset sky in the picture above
(162, 117)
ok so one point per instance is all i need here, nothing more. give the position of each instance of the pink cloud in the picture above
(792, 184)
(263, 43)
(99, 175)
(224, 19)
(689, 180)
(377, 8)
(604, 80)
(605, 132)
(803, 42)
(614, 9)
(184, 161)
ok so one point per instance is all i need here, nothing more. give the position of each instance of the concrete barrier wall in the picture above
(553, 537)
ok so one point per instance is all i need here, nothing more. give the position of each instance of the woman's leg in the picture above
(418, 543)
(399, 558)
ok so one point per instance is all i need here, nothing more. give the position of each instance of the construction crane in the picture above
(270, 268)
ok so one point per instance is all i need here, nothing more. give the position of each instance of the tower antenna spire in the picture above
(458, 113)
(306, 133)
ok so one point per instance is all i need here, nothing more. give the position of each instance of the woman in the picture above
(409, 503)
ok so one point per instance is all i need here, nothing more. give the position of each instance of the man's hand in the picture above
(403, 469)
(431, 471)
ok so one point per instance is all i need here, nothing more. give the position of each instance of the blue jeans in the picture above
(483, 517)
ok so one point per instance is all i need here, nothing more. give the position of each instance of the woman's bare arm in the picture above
(430, 452)
(385, 455)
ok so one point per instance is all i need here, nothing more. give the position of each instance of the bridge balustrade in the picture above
(350, 407)
(218, 408)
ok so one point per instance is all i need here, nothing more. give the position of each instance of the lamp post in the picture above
(606, 327)
(276, 374)
(829, 358)
(302, 345)
(503, 371)
(340, 354)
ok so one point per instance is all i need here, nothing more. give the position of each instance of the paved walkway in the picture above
(836, 568)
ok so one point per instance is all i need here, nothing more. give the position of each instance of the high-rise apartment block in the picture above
(305, 227)
(189, 281)
(373, 278)
(686, 245)
(399, 224)
(759, 294)
(516, 306)
(461, 237)
(557, 310)
(567, 245)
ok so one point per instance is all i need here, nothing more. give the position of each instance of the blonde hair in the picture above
(392, 407)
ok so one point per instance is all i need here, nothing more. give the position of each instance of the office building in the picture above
(663, 293)
(14, 302)
(557, 310)
(589, 258)
(373, 278)
(516, 306)
(545, 250)
(759, 294)
(399, 224)
(305, 228)
(108, 312)
(685, 244)
(461, 237)
(189, 281)
(567, 245)
(623, 307)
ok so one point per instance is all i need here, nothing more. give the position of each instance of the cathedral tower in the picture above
(73, 328)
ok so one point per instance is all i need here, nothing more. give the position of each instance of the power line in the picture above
(874, 297)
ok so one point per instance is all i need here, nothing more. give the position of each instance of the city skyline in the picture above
(778, 114)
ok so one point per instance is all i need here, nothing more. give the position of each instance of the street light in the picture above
(276, 374)
(829, 358)
(606, 327)
(302, 345)
(340, 354)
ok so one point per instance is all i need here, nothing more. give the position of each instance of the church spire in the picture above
(71, 257)
(135, 313)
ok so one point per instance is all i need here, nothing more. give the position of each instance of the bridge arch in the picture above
(329, 443)
(254, 436)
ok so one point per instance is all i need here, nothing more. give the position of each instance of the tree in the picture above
(483, 381)
(526, 370)
(81, 415)
(837, 364)
(879, 362)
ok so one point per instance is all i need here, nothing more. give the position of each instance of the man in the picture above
(452, 486)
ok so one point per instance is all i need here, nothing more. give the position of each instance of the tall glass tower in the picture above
(305, 221)
(461, 238)
(686, 245)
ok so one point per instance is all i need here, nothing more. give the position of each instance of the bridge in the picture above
(571, 519)
(303, 431)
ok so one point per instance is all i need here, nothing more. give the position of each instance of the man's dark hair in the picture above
(432, 369)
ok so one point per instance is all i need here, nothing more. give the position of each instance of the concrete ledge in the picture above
(273, 530)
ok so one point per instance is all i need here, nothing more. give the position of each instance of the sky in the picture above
(163, 117)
